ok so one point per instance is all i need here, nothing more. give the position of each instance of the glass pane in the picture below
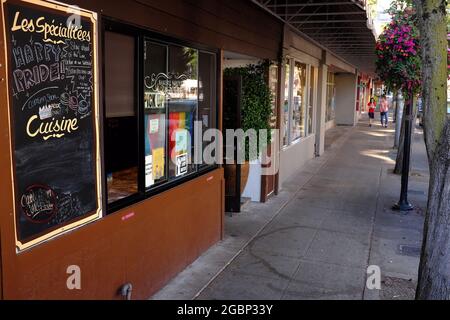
(285, 111)
(273, 85)
(121, 136)
(182, 95)
(155, 106)
(312, 98)
(330, 111)
(207, 93)
(298, 101)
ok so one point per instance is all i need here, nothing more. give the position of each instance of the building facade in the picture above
(98, 169)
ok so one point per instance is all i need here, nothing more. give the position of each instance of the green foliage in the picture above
(398, 50)
(256, 102)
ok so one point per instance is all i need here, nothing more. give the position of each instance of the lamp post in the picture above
(403, 204)
(399, 115)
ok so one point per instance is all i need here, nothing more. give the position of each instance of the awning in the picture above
(344, 28)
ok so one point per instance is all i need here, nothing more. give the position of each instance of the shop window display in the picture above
(182, 102)
(155, 105)
(207, 94)
(155, 149)
(298, 101)
(331, 93)
(121, 141)
(286, 104)
(311, 99)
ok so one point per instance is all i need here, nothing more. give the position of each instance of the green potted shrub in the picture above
(256, 109)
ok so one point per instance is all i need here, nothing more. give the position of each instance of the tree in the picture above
(434, 271)
(398, 60)
(397, 49)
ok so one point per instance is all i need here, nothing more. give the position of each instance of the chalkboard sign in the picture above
(51, 54)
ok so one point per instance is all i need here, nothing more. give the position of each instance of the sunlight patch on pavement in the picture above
(375, 134)
(378, 154)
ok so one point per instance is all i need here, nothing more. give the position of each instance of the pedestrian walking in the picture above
(371, 106)
(384, 111)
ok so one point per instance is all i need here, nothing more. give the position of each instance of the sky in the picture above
(382, 18)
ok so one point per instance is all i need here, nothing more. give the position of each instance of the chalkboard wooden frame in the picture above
(61, 226)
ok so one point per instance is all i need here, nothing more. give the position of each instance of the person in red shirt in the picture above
(372, 105)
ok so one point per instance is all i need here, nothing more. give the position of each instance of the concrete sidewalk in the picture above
(316, 239)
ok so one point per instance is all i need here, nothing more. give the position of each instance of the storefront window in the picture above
(121, 135)
(286, 104)
(311, 98)
(178, 89)
(298, 101)
(207, 94)
(155, 113)
(273, 85)
(182, 97)
(331, 93)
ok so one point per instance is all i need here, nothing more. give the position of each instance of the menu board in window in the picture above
(53, 108)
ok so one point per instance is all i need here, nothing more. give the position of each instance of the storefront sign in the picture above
(165, 82)
(53, 118)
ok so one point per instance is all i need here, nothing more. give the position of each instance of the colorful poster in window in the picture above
(53, 107)
(181, 141)
(154, 139)
(158, 163)
(181, 128)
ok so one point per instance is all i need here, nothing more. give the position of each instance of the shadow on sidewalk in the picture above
(316, 239)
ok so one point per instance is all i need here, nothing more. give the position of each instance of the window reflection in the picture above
(207, 93)
(298, 101)
(286, 104)
(155, 99)
(312, 98)
(330, 111)
(121, 142)
(182, 99)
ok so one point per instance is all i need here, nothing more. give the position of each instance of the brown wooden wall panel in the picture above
(167, 232)
(244, 15)
(293, 41)
(164, 235)
(234, 25)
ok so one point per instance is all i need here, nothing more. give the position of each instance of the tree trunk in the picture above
(434, 271)
(401, 146)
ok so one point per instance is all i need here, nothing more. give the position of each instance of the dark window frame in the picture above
(140, 34)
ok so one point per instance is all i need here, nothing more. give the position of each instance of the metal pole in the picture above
(399, 118)
(395, 105)
(403, 204)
